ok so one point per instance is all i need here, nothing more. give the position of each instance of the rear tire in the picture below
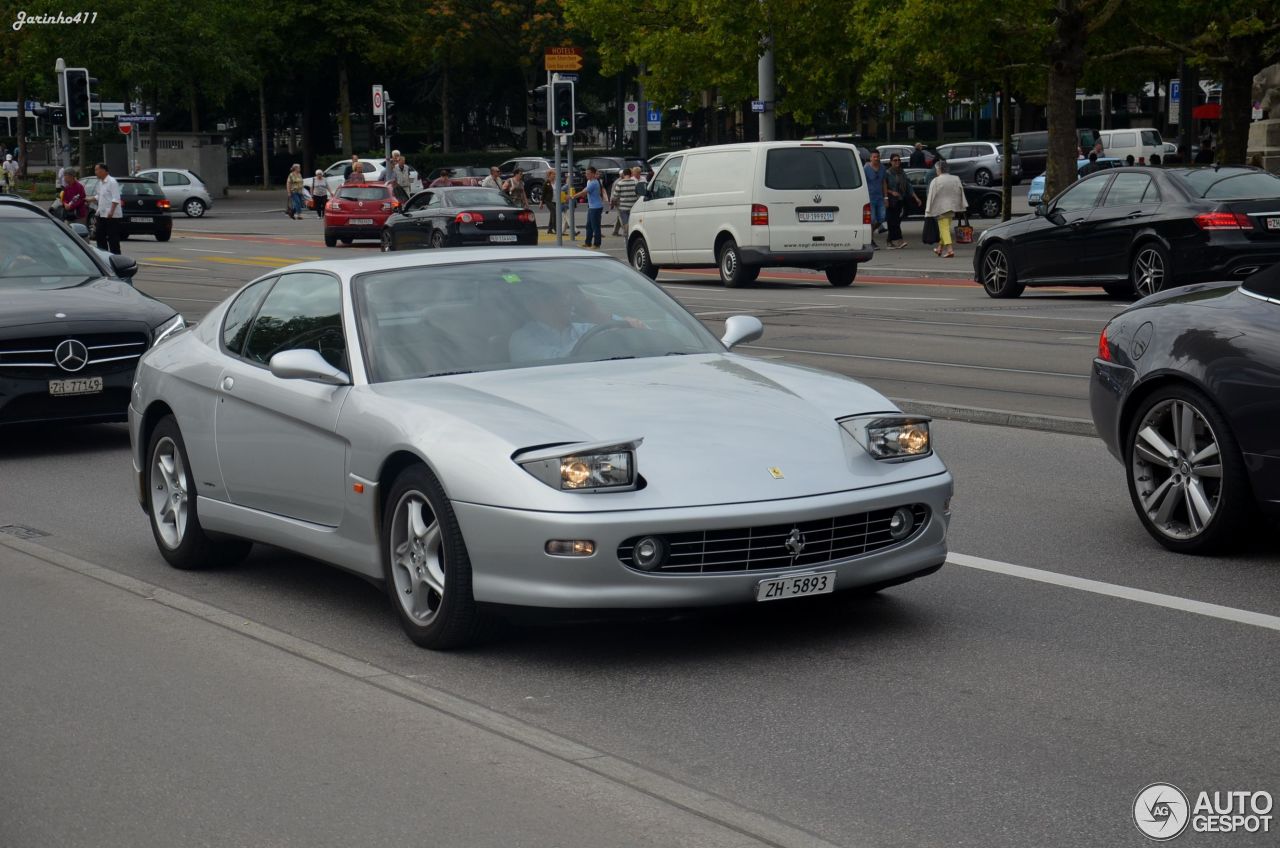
(535, 194)
(999, 279)
(165, 236)
(639, 257)
(388, 243)
(425, 564)
(990, 208)
(733, 273)
(193, 208)
(437, 239)
(330, 241)
(171, 506)
(842, 275)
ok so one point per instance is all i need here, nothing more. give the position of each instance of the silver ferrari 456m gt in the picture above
(485, 428)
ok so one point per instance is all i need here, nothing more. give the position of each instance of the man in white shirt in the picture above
(110, 217)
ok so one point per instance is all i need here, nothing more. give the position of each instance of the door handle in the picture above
(1077, 222)
(1136, 214)
(228, 383)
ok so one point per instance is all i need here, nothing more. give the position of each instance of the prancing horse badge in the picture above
(776, 473)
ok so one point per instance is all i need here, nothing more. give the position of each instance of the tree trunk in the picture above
(1006, 161)
(1237, 111)
(444, 108)
(1066, 66)
(193, 103)
(21, 93)
(344, 107)
(262, 117)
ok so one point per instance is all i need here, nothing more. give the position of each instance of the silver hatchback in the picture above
(979, 162)
(185, 189)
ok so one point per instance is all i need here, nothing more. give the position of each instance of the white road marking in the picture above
(1142, 596)
(920, 362)
(888, 297)
(206, 250)
(777, 309)
(1073, 338)
(169, 267)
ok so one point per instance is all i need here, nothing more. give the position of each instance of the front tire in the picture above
(171, 506)
(388, 243)
(1149, 270)
(733, 273)
(999, 279)
(1187, 479)
(425, 564)
(194, 208)
(990, 207)
(640, 260)
(535, 195)
(982, 177)
(437, 239)
(842, 275)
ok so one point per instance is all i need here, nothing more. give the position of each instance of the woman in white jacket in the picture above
(945, 201)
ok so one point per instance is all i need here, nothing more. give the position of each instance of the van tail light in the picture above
(468, 218)
(759, 215)
(162, 203)
(524, 216)
(1104, 347)
(866, 213)
(1223, 221)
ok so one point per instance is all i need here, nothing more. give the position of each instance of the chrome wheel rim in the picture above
(982, 178)
(194, 208)
(728, 264)
(639, 258)
(417, 558)
(1177, 469)
(437, 240)
(995, 270)
(169, 496)
(1148, 271)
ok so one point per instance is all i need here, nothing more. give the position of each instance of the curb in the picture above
(999, 417)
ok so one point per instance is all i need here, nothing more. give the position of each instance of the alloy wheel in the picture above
(990, 208)
(1148, 271)
(417, 558)
(995, 270)
(169, 495)
(1177, 469)
(194, 208)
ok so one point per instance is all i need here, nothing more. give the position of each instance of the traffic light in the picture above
(562, 121)
(391, 122)
(537, 106)
(79, 100)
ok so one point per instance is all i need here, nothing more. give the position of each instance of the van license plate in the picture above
(777, 588)
(815, 217)
(82, 386)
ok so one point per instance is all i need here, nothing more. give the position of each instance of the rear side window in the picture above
(140, 189)
(809, 168)
(172, 178)
(235, 326)
(362, 193)
(1031, 143)
(1121, 139)
(1127, 189)
(1151, 138)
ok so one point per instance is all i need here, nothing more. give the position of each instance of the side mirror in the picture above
(122, 266)
(642, 189)
(1042, 209)
(306, 365)
(740, 329)
(80, 230)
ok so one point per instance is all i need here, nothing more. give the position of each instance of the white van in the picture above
(742, 207)
(1138, 142)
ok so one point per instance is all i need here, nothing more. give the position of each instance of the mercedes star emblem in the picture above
(71, 355)
(795, 542)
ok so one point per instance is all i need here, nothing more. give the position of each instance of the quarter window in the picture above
(172, 178)
(302, 312)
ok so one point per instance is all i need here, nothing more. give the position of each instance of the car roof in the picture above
(349, 268)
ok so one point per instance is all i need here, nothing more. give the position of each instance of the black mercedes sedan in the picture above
(1137, 231)
(71, 327)
(455, 216)
(1185, 392)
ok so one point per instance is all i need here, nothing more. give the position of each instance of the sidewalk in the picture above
(137, 717)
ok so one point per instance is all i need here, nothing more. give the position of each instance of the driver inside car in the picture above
(552, 333)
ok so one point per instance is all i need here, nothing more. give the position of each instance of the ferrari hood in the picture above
(716, 428)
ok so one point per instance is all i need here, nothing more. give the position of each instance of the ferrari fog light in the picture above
(570, 547)
(891, 437)
(901, 523)
(649, 552)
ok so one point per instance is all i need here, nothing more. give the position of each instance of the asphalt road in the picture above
(976, 707)
(914, 326)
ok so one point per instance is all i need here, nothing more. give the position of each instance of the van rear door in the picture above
(815, 198)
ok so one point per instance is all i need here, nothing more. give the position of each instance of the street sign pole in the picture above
(644, 125)
(387, 103)
(558, 209)
(573, 200)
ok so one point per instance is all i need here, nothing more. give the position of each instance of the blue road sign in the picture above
(1175, 91)
(135, 119)
(757, 105)
(571, 77)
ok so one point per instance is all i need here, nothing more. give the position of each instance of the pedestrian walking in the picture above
(1092, 166)
(875, 189)
(352, 167)
(596, 198)
(550, 189)
(399, 171)
(74, 207)
(898, 191)
(294, 185)
(442, 180)
(1204, 156)
(494, 180)
(10, 174)
(515, 189)
(945, 201)
(917, 159)
(110, 217)
(319, 189)
(623, 197)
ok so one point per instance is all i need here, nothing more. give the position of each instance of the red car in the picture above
(358, 211)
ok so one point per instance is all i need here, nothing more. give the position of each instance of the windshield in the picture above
(491, 316)
(1232, 184)
(35, 253)
(479, 197)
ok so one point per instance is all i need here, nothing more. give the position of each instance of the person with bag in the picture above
(945, 201)
(319, 193)
(293, 185)
(73, 198)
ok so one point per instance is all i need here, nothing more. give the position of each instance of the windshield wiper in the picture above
(611, 358)
(446, 373)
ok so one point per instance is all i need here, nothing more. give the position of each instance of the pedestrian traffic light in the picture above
(537, 106)
(562, 121)
(79, 100)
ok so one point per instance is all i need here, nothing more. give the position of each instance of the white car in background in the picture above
(335, 174)
(185, 189)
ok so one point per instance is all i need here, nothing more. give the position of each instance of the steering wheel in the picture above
(597, 330)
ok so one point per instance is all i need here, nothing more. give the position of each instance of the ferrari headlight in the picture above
(891, 437)
(584, 467)
(167, 329)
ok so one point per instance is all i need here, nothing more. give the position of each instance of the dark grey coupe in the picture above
(1186, 393)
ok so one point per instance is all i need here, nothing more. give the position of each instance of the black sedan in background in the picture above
(1186, 393)
(1137, 231)
(71, 328)
(457, 216)
(146, 209)
(983, 201)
